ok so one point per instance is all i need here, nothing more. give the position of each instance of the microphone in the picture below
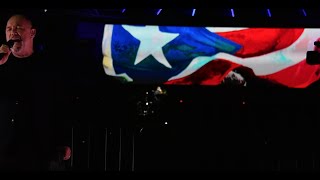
(9, 44)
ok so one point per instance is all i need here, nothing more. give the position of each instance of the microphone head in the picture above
(11, 42)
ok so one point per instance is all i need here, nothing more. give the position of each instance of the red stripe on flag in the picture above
(259, 41)
(300, 75)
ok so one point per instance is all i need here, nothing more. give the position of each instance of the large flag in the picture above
(205, 55)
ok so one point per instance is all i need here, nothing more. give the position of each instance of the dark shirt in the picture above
(28, 126)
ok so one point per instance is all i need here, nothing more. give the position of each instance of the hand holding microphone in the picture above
(5, 51)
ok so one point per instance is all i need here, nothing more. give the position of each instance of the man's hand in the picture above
(5, 52)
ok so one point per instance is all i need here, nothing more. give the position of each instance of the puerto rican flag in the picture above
(186, 55)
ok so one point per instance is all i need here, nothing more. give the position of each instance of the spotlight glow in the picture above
(232, 12)
(159, 11)
(269, 12)
(193, 12)
(304, 12)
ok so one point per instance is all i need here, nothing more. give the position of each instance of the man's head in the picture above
(20, 28)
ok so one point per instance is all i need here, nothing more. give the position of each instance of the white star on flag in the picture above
(151, 42)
